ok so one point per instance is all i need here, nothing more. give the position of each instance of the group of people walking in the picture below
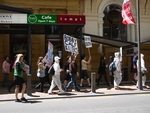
(71, 70)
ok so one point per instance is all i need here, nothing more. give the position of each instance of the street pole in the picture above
(139, 41)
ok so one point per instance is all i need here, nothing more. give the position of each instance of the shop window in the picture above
(18, 44)
(112, 26)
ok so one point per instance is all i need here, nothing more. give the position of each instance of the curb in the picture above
(90, 94)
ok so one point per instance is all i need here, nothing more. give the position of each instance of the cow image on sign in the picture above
(70, 44)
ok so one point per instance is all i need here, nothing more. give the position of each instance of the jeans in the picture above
(73, 81)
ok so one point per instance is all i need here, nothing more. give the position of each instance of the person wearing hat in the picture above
(56, 77)
(19, 68)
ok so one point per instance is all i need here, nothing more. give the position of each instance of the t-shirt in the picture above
(18, 69)
(84, 65)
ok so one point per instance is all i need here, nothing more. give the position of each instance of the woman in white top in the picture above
(143, 70)
(84, 72)
(56, 77)
(117, 73)
(41, 73)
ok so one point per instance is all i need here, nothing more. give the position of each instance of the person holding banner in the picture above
(66, 68)
(73, 73)
(84, 72)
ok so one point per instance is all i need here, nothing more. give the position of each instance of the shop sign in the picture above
(41, 19)
(71, 19)
(6, 18)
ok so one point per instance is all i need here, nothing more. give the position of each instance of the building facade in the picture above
(103, 18)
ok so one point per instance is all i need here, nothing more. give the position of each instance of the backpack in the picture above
(51, 70)
(112, 66)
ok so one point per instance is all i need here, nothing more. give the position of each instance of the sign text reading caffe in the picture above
(42, 19)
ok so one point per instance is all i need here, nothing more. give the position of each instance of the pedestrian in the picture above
(66, 69)
(84, 72)
(73, 73)
(19, 68)
(102, 70)
(47, 79)
(6, 71)
(111, 72)
(41, 73)
(134, 66)
(117, 73)
(47, 66)
(143, 71)
(56, 77)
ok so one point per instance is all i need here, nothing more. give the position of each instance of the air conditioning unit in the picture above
(130, 51)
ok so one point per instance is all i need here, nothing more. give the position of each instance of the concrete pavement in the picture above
(102, 90)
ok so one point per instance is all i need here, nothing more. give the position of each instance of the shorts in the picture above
(19, 81)
(84, 74)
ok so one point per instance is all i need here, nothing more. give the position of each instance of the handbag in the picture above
(51, 70)
(40, 73)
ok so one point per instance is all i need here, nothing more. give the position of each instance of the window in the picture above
(18, 45)
(112, 26)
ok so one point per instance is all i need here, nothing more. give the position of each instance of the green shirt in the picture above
(18, 69)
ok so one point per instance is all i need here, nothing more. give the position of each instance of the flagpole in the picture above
(139, 41)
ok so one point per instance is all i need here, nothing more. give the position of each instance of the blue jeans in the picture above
(72, 81)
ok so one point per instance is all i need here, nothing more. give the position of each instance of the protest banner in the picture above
(70, 44)
(88, 45)
(49, 57)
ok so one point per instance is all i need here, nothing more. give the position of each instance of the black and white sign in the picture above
(88, 42)
(70, 44)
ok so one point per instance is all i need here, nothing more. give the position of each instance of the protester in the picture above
(73, 73)
(84, 72)
(47, 66)
(67, 78)
(6, 71)
(134, 66)
(102, 70)
(18, 74)
(143, 71)
(111, 72)
(117, 73)
(56, 77)
(47, 79)
(41, 73)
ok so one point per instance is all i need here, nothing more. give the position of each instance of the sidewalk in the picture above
(102, 90)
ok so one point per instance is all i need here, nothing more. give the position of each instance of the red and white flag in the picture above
(126, 13)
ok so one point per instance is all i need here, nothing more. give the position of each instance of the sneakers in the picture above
(24, 99)
(17, 100)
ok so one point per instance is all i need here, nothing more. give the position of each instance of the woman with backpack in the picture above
(117, 73)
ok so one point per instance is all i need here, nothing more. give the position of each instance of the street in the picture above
(137, 103)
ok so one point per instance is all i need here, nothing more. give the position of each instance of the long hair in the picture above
(18, 57)
(39, 60)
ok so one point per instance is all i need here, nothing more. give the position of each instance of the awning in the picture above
(9, 9)
(110, 41)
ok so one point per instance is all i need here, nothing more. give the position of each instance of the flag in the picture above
(126, 13)
(49, 59)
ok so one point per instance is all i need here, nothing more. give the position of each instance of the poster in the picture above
(70, 44)
(88, 42)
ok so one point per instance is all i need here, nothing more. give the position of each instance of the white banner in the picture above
(88, 42)
(13, 18)
(70, 44)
